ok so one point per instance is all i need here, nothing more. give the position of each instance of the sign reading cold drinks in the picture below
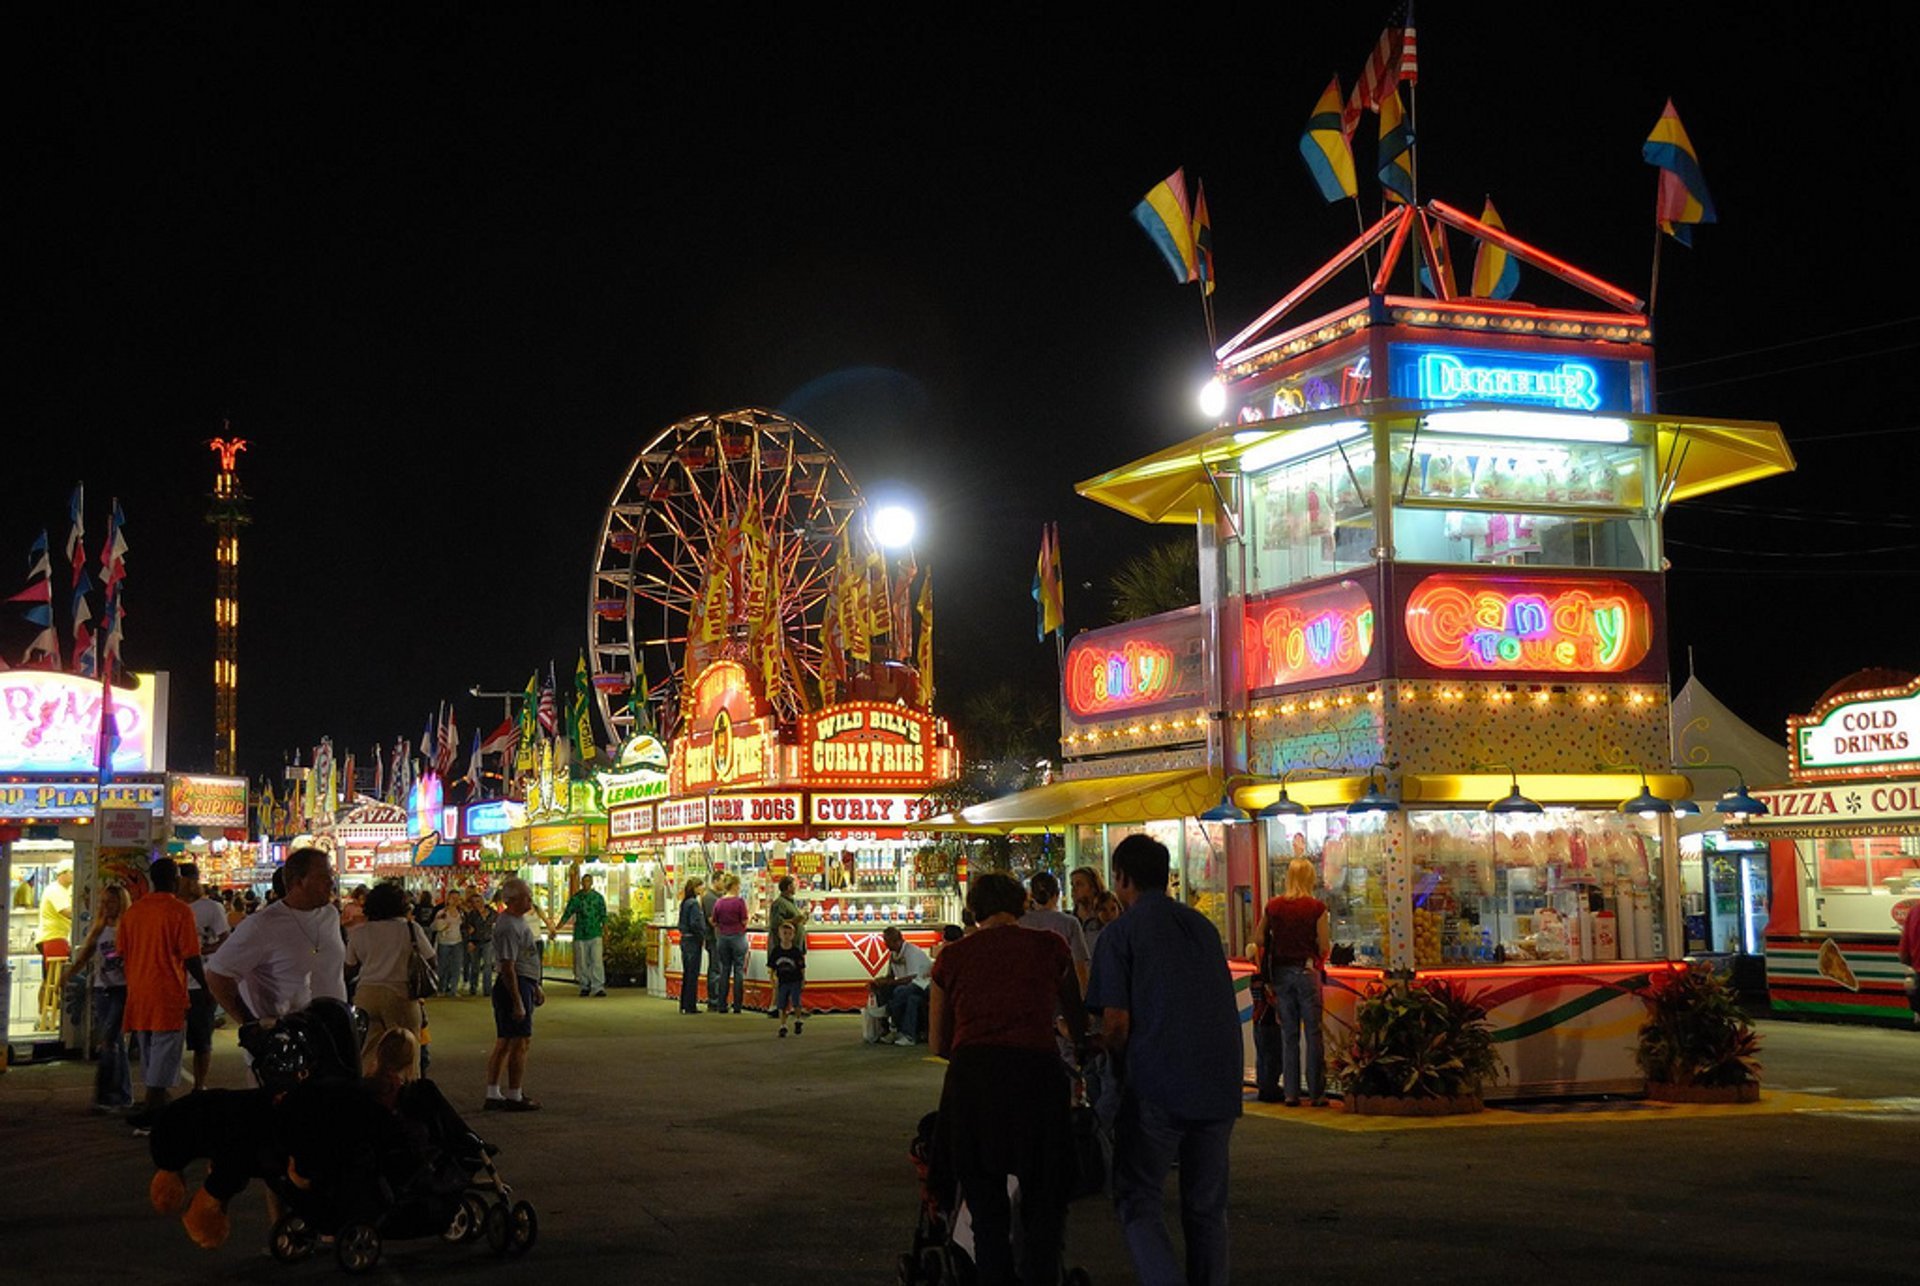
(1859, 734)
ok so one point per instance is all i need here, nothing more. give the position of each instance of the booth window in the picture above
(1350, 855)
(1509, 501)
(1310, 518)
(1862, 863)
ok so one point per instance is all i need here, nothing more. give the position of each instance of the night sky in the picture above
(448, 267)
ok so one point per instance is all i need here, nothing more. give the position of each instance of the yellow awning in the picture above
(1173, 485)
(1542, 788)
(1138, 797)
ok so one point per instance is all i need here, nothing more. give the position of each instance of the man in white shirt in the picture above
(210, 922)
(912, 970)
(283, 956)
(1045, 913)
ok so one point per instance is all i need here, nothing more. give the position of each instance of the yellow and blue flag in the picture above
(1324, 145)
(1048, 597)
(1495, 274)
(1683, 199)
(1396, 151)
(1168, 220)
(1202, 240)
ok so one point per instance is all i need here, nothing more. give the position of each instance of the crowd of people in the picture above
(1125, 988)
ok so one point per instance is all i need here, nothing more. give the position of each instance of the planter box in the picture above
(1389, 1105)
(1662, 1092)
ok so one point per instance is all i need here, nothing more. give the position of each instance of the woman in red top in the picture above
(1003, 1109)
(1293, 941)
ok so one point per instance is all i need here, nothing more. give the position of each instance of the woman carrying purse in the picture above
(384, 949)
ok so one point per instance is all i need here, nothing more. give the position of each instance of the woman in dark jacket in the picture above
(1004, 1107)
(693, 937)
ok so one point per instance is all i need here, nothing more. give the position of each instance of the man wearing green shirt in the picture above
(587, 911)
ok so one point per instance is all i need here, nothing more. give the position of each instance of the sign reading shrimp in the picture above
(1561, 625)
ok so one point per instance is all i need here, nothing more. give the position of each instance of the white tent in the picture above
(1705, 731)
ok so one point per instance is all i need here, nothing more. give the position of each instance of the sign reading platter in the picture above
(55, 799)
(1859, 734)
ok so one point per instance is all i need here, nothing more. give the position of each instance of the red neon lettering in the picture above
(1102, 679)
(1527, 623)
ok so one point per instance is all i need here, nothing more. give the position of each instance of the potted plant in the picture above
(1697, 1045)
(1418, 1048)
(624, 949)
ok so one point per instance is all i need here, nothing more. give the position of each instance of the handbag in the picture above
(423, 980)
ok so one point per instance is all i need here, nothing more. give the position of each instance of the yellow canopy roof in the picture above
(1174, 485)
(1138, 797)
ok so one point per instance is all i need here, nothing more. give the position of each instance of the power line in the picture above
(1788, 370)
(1862, 433)
(1790, 343)
(1802, 553)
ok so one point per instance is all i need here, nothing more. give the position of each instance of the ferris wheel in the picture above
(674, 513)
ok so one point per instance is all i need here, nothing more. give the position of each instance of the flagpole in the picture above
(1366, 255)
(1653, 287)
(1413, 161)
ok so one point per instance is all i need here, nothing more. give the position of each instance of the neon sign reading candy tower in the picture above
(1102, 680)
(1540, 623)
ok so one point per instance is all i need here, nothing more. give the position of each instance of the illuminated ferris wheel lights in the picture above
(894, 526)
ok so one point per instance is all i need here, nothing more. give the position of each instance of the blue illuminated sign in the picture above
(1497, 375)
(495, 816)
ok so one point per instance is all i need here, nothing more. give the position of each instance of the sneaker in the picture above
(783, 1030)
(585, 992)
(905, 1040)
(797, 1025)
(519, 1105)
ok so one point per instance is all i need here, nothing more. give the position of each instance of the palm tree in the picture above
(1164, 578)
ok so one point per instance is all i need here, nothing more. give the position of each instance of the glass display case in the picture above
(1512, 501)
(33, 1004)
(878, 883)
(1567, 885)
(1350, 856)
(1311, 517)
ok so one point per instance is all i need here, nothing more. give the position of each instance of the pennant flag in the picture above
(109, 743)
(639, 700)
(1047, 594)
(82, 611)
(1396, 152)
(854, 635)
(581, 722)
(1203, 241)
(900, 599)
(923, 655)
(378, 783)
(39, 575)
(113, 570)
(1436, 233)
(430, 738)
(1395, 58)
(1495, 272)
(549, 711)
(1324, 144)
(473, 766)
(1168, 221)
(449, 742)
(528, 727)
(347, 776)
(1682, 200)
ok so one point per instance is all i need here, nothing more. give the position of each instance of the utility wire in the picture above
(1788, 370)
(1802, 553)
(1790, 343)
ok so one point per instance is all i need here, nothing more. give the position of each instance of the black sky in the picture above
(449, 266)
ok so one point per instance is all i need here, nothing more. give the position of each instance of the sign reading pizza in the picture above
(1859, 734)
(869, 743)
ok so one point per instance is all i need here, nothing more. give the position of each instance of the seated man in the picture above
(912, 974)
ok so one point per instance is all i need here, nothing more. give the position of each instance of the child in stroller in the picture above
(388, 1159)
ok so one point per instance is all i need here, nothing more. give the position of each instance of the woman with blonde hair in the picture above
(693, 937)
(112, 1079)
(1290, 946)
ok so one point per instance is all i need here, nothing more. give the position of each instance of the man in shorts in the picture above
(159, 947)
(210, 921)
(516, 994)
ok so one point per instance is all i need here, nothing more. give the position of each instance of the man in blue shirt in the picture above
(1172, 1027)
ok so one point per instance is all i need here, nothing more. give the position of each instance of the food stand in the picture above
(1844, 838)
(827, 800)
(1433, 654)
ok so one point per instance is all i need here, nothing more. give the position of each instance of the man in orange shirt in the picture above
(159, 946)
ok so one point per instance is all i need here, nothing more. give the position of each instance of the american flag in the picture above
(549, 714)
(449, 749)
(1396, 57)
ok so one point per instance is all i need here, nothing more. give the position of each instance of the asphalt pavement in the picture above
(703, 1149)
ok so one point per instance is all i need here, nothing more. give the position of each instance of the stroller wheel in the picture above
(291, 1239)
(523, 1228)
(475, 1208)
(357, 1247)
(497, 1227)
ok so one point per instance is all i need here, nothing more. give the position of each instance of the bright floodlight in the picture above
(1213, 399)
(893, 526)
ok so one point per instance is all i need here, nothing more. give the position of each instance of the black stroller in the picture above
(941, 1254)
(354, 1171)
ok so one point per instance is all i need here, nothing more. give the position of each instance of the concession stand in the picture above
(1843, 835)
(1430, 655)
(826, 799)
